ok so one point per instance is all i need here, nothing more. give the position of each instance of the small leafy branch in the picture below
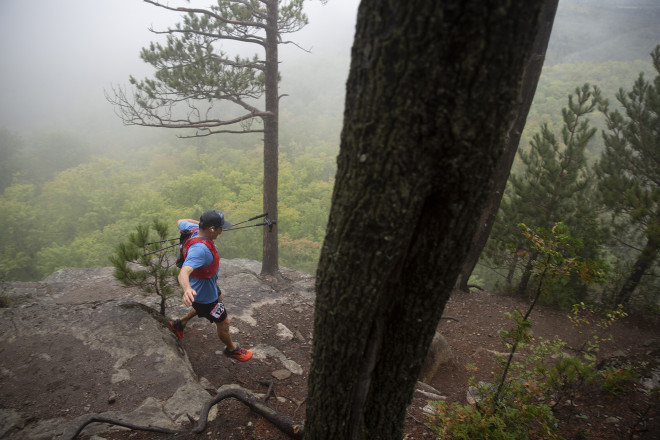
(138, 262)
(556, 261)
(517, 408)
(586, 315)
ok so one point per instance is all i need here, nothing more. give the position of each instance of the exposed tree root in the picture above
(281, 421)
(449, 318)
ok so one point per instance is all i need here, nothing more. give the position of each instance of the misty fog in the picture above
(57, 129)
(59, 57)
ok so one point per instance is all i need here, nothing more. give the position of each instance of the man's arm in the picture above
(178, 223)
(184, 281)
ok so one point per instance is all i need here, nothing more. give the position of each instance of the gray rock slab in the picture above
(92, 346)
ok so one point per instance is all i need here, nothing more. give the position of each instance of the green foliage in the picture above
(301, 253)
(520, 410)
(75, 212)
(541, 374)
(624, 237)
(10, 148)
(194, 73)
(194, 190)
(569, 374)
(556, 185)
(19, 242)
(516, 422)
(47, 153)
(563, 378)
(587, 314)
(141, 263)
(557, 80)
(629, 175)
(81, 200)
(558, 259)
(498, 268)
(84, 251)
(520, 333)
(78, 218)
(566, 373)
(614, 378)
(555, 262)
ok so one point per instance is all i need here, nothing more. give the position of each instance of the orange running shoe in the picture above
(177, 328)
(239, 353)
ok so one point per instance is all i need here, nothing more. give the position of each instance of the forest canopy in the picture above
(68, 197)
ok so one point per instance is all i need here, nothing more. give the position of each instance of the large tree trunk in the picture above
(522, 289)
(430, 98)
(528, 89)
(270, 264)
(512, 271)
(641, 266)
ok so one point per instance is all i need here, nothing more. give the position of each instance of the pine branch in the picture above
(255, 39)
(208, 13)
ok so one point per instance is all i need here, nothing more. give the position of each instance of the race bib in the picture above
(218, 310)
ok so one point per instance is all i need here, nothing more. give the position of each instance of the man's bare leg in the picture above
(191, 314)
(178, 325)
(224, 335)
(232, 349)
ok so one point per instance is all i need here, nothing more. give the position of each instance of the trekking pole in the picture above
(162, 241)
(176, 238)
(250, 219)
(267, 222)
(161, 249)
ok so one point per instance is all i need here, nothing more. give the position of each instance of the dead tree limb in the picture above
(271, 385)
(97, 418)
(281, 421)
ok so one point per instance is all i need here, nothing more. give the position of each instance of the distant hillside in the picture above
(604, 30)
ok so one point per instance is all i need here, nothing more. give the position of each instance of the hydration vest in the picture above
(201, 272)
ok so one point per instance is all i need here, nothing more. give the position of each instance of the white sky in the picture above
(58, 56)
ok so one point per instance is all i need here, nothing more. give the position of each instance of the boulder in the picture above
(79, 343)
(439, 353)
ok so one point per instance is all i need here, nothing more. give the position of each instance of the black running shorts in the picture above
(214, 312)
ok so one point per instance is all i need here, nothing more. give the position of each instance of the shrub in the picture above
(530, 385)
(146, 265)
(516, 421)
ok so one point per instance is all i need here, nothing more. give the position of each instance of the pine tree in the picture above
(555, 186)
(146, 265)
(629, 172)
(198, 86)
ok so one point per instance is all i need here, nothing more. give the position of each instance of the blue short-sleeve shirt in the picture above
(200, 256)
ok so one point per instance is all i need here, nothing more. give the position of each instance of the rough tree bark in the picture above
(642, 265)
(431, 95)
(528, 89)
(270, 253)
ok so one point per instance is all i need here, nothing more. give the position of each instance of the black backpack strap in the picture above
(184, 235)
